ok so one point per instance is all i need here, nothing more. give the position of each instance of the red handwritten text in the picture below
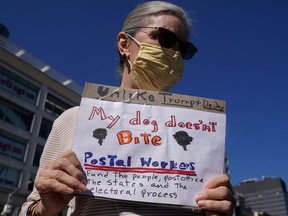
(101, 112)
(189, 125)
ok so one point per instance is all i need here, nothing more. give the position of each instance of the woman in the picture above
(152, 46)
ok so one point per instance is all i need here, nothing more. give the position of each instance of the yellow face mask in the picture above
(156, 68)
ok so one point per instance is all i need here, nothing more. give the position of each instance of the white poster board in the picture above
(148, 146)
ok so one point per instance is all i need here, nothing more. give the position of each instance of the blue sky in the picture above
(242, 59)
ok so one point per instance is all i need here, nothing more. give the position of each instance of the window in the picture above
(15, 115)
(18, 86)
(55, 106)
(37, 155)
(12, 146)
(31, 182)
(46, 126)
(9, 176)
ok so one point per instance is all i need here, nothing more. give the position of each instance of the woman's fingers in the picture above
(62, 176)
(220, 180)
(58, 181)
(217, 197)
(220, 206)
(219, 193)
(67, 166)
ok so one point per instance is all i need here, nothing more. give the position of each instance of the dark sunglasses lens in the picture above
(166, 38)
(187, 50)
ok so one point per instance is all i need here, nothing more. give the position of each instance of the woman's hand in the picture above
(217, 197)
(57, 183)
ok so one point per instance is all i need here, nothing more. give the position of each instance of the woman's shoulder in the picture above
(68, 116)
(63, 129)
(71, 112)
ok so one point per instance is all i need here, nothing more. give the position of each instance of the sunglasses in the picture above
(168, 39)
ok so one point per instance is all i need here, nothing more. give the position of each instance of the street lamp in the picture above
(7, 210)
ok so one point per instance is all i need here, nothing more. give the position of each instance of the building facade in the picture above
(32, 96)
(267, 195)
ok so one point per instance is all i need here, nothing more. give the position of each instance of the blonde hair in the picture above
(141, 14)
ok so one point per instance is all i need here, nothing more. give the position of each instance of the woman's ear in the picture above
(123, 44)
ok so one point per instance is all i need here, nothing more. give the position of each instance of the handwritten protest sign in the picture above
(148, 146)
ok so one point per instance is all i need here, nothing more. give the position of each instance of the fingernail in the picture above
(70, 190)
(199, 196)
(84, 181)
(82, 187)
(201, 203)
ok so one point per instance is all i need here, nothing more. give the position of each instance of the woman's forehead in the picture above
(170, 22)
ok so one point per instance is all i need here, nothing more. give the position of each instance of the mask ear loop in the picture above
(135, 41)
(130, 65)
(124, 56)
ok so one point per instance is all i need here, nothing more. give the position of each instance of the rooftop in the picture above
(40, 65)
